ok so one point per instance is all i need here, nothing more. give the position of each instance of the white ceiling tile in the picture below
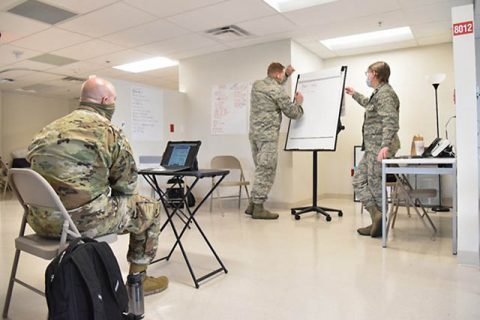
(429, 13)
(255, 40)
(82, 6)
(21, 68)
(340, 12)
(89, 49)
(50, 39)
(146, 33)
(13, 72)
(7, 54)
(418, 3)
(78, 69)
(222, 14)
(8, 4)
(388, 20)
(113, 18)
(431, 29)
(14, 27)
(41, 76)
(267, 25)
(64, 83)
(183, 54)
(183, 43)
(121, 57)
(111, 73)
(378, 48)
(162, 73)
(167, 8)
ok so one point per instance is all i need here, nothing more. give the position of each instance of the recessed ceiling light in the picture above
(147, 65)
(368, 39)
(290, 5)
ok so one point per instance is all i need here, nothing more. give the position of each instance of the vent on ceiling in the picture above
(41, 12)
(231, 32)
(53, 59)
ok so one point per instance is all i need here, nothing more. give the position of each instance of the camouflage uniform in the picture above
(89, 163)
(380, 127)
(268, 101)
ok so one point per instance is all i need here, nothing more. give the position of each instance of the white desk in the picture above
(420, 166)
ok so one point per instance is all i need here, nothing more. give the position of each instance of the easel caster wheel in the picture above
(340, 214)
(292, 211)
(329, 218)
(297, 217)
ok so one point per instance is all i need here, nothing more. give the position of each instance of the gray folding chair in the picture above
(32, 189)
(411, 197)
(231, 163)
(3, 177)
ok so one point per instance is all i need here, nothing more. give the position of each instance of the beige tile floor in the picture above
(287, 269)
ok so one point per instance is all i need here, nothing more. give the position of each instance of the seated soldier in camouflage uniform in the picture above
(380, 141)
(89, 163)
(268, 101)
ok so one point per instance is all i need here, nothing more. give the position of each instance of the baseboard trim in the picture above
(468, 258)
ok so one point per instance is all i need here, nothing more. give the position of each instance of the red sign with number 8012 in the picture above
(462, 28)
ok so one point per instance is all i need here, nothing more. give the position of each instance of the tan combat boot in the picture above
(365, 231)
(260, 213)
(151, 285)
(376, 214)
(249, 209)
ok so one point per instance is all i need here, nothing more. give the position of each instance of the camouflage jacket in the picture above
(380, 125)
(83, 156)
(268, 101)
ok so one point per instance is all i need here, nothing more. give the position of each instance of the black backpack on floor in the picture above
(84, 283)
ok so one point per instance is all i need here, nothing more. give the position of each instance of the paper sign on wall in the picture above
(230, 108)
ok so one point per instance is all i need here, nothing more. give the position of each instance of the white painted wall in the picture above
(24, 115)
(467, 140)
(417, 107)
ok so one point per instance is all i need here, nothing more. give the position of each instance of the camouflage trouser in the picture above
(367, 181)
(135, 214)
(265, 158)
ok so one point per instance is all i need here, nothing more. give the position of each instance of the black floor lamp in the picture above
(435, 80)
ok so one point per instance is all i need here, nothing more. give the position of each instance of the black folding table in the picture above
(171, 210)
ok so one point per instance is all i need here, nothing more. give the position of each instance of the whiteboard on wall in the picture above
(146, 114)
(139, 111)
(230, 108)
(323, 95)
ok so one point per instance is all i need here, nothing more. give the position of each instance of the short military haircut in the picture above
(275, 67)
(381, 69)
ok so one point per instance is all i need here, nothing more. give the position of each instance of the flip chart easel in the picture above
(317, 130)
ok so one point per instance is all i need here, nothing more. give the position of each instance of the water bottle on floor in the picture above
(135, 296)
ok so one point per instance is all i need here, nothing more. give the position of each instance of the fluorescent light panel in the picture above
(290, 5)
(147, 65)
(368, 39)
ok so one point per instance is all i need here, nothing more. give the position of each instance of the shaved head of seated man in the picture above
(89, 163)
